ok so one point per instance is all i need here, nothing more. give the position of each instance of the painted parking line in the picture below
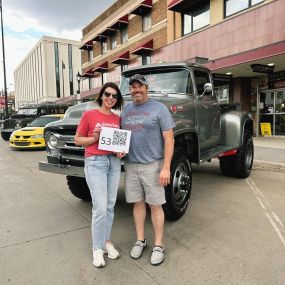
(273, 218)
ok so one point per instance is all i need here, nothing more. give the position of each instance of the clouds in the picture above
(26, 21)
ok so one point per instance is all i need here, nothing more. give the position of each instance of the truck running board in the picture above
(218, 151)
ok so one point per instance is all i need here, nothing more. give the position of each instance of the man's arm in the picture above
(164, 177)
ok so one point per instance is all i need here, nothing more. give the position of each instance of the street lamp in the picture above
(78, 78)
(4, 65)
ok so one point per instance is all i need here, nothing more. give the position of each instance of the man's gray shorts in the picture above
(142, 183)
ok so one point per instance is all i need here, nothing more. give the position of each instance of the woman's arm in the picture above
(85, 141)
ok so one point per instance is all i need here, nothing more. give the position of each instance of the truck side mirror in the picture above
(208, 88)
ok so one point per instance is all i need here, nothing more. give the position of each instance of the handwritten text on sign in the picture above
(115, 140)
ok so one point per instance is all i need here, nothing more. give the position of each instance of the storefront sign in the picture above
(261, 68)
(276, 80)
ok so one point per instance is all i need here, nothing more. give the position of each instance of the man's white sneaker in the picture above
(98, 258)
(138, 248)
(111, 251)
(157, 255)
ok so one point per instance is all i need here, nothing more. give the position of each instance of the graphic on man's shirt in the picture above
(113, 139)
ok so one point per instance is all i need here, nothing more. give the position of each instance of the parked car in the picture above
(32, 136)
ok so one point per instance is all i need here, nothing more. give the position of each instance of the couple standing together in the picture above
(147, 166)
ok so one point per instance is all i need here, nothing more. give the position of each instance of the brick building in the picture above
(242, 42)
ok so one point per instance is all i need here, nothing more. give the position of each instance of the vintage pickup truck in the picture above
(204, 130)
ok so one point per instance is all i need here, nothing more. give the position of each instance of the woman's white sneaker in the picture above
(111, 251)
(98, 258)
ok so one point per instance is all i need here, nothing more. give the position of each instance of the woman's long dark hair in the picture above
(120, 100)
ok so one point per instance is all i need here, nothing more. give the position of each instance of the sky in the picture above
(26, 21)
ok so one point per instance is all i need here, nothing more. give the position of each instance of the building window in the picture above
(124, 35)
(90, 55)
(146, 22)
(57, 74)
(146, 59)
(90, 83)
(104, 78)
(196, 18)
(233, 6)
(124, 67)
(104, 47)
(113, 41)
(70, 69)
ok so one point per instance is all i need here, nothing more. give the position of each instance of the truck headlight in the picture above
(37, 136)
(51, 141)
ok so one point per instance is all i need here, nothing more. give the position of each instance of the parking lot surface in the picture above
(232, 233)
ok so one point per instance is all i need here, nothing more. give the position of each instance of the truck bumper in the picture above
(67, 170)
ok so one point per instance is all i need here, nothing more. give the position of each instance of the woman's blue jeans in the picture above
(102, 173)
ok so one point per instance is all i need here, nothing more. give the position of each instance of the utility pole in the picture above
(4, 65)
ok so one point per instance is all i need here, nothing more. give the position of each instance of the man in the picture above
(147, 164)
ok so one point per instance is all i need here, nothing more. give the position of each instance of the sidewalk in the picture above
(269, 153)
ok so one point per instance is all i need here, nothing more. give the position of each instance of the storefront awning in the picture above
(123, 58)
(181, 5)
(87, 46)
(144, 49)
(120, 23)
(101, 68)
(108, 32)
(100, 38)
(143, 8)
(88, 73)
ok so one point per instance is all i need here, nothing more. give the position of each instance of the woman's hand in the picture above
(96, 134)
(120, 154)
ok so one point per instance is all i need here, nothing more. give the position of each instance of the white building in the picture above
(48, 72)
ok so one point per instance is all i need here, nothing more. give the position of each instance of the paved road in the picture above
(232, 233)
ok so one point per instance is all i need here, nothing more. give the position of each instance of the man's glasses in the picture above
(108, 95)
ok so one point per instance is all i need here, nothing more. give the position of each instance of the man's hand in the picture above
(164, 177)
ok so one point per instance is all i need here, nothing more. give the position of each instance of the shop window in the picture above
(104, 47)
(146, 22)
(124, 35)
(196, 18)
(90, 83)
(233, 6)
(124, 67)
(104, 78)
(113, 41)
(146, 59)
(222, 94)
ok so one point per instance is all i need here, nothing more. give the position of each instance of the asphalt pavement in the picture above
(269, 153)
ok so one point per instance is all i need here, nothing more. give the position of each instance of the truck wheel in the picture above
(177, 193)
(78, 187)
(239, 165)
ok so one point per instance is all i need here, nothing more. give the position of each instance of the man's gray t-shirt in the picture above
(146, 122)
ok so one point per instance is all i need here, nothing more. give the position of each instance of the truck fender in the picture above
(233, 126)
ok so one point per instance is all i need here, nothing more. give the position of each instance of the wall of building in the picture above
(35, 79)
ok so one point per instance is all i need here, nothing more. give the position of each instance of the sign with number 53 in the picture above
(115, 140)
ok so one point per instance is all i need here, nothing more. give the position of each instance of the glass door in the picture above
(272, 110)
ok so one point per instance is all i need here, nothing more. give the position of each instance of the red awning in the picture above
(181, 5)
(100, 38)
(88, 45)
(143, 8)
(120, 23)
(101, 68)
(146, 48)
(88, 73)
(123, 58)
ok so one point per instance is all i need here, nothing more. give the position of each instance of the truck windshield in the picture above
(165, 81)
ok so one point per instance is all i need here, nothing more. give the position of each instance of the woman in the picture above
(102, 169)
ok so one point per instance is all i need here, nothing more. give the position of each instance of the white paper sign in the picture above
(115, 140)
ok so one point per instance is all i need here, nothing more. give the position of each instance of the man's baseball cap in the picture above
(138, 77)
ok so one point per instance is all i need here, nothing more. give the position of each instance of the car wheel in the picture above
(78, 187)
(178, 192)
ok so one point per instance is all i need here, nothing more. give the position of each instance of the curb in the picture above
(268, 165)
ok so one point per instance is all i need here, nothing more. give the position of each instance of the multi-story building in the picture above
(48, 72)
(242, 42)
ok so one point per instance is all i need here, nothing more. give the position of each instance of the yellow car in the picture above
(32, 136)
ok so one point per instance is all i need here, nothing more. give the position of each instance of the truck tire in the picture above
(177, 193)
(239, 165)
(78, 187)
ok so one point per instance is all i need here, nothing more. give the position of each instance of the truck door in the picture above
(208, 111)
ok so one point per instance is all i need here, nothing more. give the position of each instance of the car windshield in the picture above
(164, 81)
(42, 121)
